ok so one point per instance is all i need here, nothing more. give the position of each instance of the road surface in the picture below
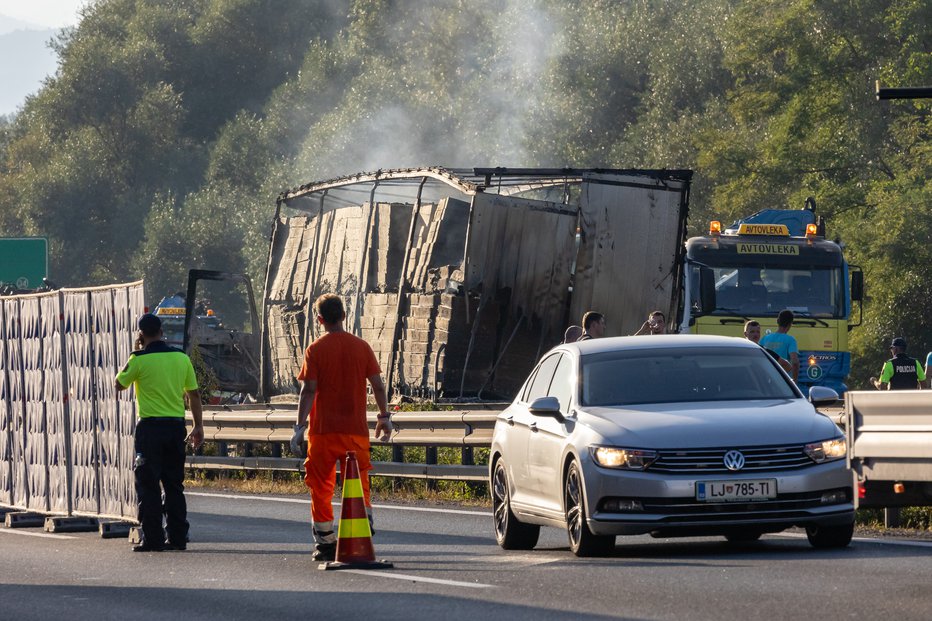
(249, 558)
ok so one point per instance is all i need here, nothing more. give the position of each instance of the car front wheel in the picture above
(830, 536)
(582, 541)
(509, 532)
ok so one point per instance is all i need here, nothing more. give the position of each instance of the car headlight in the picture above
(630, 459)
(829, 450)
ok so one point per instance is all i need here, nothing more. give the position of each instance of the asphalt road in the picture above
(249, 558)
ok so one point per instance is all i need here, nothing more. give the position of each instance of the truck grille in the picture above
(711, 461)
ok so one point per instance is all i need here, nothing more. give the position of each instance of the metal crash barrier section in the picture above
(466, 429)
(66, 436)
(890, 446)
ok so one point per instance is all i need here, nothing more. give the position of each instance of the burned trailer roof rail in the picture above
(445, 175)
(478, 180)
(540, 173)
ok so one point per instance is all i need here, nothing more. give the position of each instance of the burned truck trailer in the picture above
(461, 279)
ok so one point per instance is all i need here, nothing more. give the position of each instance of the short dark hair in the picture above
(590, 318)
(752, 323)
(658, 312)
(785, 318)
(150, 325)
(330, 307)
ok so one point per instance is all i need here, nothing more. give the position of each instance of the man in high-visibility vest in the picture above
(332, 411)
(162, 376)
(901, 372)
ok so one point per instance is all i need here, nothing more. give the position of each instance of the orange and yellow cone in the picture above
(354, 537)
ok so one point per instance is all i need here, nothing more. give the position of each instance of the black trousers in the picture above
(160, 465)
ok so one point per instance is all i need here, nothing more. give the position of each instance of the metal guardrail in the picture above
(443, 472)
(274, 423)
(461, 427)
(465, 427)
(890, 436)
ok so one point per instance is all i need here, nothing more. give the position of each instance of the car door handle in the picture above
(510, 420)
(533, 427)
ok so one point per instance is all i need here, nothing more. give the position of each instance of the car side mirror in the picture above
(822, 396)
(546, 406)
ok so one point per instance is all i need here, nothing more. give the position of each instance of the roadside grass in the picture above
(384, 489)
(911, 518)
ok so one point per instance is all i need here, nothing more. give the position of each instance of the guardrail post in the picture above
(891, 517)
(430, 458)
(467, 457)
(398, 453)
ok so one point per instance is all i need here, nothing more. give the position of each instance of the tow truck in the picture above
(231, 355)
(773, 260)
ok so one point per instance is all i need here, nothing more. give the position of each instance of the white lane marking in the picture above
(385, 574)
(877, 540)
(307, 501)
(524, 560)
(10, 531)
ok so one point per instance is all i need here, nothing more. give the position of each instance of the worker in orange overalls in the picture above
(333, 400)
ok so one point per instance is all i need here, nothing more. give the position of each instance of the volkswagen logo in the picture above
(734, 460)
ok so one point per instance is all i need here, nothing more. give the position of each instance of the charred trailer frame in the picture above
(461, 279)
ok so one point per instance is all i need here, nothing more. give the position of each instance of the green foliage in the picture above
(207, 381)
(170, 127)
(916, 517)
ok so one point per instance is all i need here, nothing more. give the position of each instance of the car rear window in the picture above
(672, 375)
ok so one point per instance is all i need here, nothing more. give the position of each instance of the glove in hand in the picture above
(299, 441)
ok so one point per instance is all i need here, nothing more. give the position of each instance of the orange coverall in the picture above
(340, 364)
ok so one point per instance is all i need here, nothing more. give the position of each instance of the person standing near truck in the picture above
(593, 325)
(901, 372)
(332, 411)
(782, 343)
(752, 333)
(656, 324)
(163, 376)
(572, 334)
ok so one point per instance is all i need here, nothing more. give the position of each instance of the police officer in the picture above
(162, 376)
(900, 372)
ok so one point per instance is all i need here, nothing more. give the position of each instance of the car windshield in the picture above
(671, 375)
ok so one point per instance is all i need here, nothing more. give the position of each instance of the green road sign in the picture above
(24, 261)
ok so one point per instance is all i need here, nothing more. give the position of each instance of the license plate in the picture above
(732, 491)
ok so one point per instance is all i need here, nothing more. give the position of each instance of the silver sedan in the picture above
(669, 435)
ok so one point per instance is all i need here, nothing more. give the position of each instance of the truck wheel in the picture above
(830, 536)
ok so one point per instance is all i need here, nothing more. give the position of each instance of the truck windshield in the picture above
(173, 330)
(764, 291)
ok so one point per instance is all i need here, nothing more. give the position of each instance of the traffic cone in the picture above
(354, 537)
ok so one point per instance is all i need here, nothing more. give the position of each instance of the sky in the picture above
(26, 26)
(47, 13)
